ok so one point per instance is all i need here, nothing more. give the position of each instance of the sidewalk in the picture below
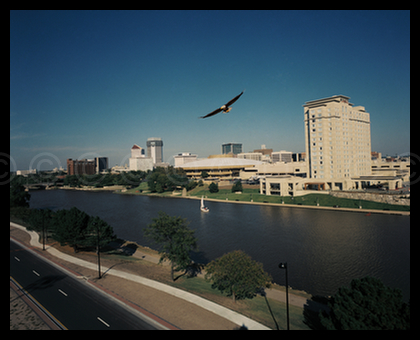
(212, 307)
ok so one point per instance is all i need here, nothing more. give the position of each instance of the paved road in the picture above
(71, 301)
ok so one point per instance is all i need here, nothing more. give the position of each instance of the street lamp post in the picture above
(284, 266)
(43, 230)
(98, 248)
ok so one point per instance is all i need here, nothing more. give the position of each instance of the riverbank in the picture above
(186, 317)
(310, 201)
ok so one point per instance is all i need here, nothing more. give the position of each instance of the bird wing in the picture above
(234, 99)
(212, 113)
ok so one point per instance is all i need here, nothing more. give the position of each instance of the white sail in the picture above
(203, 208)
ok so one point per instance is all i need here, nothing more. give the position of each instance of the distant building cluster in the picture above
(337, 156)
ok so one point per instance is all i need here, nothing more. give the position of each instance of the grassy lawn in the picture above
(255, 308)
(324, 200)
(311, 199)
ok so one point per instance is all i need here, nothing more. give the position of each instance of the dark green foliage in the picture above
(163, 179)
(131, 178)
(175, 238)
(18, 196)
(98, 227)
(70, 227)
(40, 218)
(237, 275)
(237, 186)
(77, 229)
(213, 187)
(367, 304)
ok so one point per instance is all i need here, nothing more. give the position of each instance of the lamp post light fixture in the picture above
(284, 266)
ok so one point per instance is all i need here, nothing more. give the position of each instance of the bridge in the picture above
(41, 186)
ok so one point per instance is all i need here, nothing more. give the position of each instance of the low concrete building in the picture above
(183, 158)
(220, 168)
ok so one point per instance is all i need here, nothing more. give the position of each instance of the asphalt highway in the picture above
(71, 301)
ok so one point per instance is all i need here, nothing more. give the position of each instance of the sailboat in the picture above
(203, 208)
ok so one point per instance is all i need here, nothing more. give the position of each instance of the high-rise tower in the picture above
(155, 149)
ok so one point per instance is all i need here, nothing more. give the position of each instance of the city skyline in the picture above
(85, 84)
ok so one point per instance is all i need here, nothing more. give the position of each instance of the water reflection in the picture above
(324, 249)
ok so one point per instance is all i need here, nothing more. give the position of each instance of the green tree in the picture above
(70, 227)
(40, 218)
(18, 196)
(237, 275)
(237, 186)
(71, 180)
(213, 187)
(367, 304)
(204, 174)
(161, 183)
(176, 240)
(98, 227)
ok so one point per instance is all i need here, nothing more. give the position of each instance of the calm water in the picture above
(324, 249)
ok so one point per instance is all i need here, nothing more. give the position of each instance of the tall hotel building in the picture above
(337, 139)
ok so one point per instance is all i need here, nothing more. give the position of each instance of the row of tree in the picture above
(168, 179)
(72, 227)
(131, 178)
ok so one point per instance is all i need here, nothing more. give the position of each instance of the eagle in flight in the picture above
(225, 108)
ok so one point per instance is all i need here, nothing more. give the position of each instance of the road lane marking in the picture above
(39, 309)
(62, 292)
(33, 271)
(17, 259)
(103, 321)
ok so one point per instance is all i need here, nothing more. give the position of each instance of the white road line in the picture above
(62, 292)
(17, 259)
(102, 321)
(35, 273)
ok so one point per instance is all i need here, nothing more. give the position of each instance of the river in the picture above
(324, 249)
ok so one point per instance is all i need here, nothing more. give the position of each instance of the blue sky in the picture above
(93, 83)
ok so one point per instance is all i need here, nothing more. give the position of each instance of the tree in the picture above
(367, 304)
(18, 196)
(204, 174)
(176, 240)
(237, 186)
(238, 275)
(213, 187)
(97, 225)
(70, 227)
(40, 218)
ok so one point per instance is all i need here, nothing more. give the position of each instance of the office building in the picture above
(337, 139)
(101, 164)
(138, 161)
(155, 149)
(282, 156)
(234, 148)
(81, 167)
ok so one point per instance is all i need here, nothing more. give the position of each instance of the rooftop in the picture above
(220, 162)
